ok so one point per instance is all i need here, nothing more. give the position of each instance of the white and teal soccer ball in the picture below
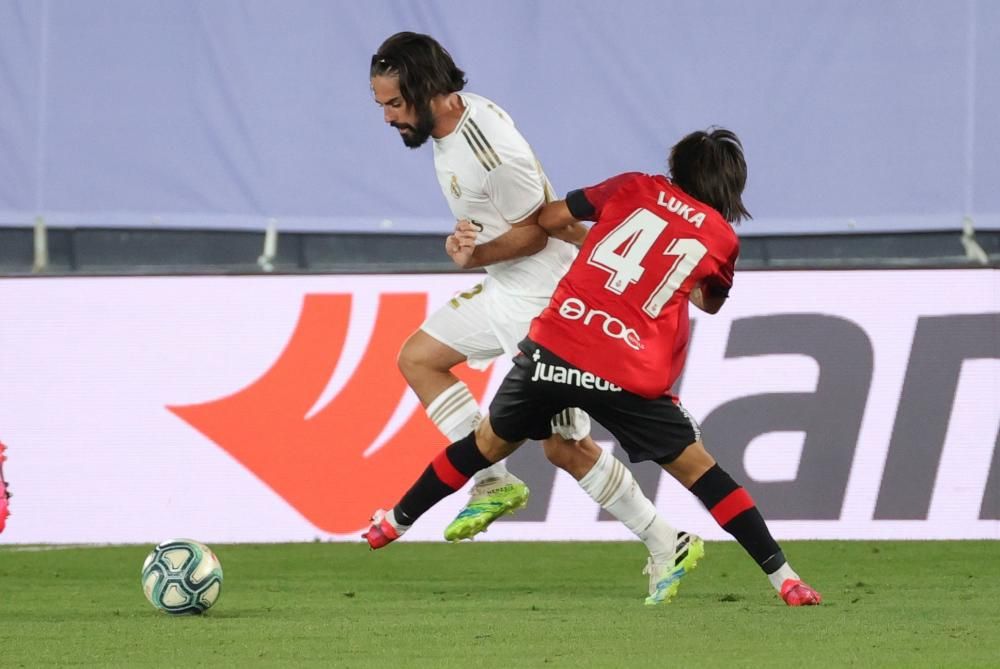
(182, 576)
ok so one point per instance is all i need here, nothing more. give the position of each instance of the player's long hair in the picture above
(424, 67)
(709, 166)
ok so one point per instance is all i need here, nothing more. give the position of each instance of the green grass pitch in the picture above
(485, 605)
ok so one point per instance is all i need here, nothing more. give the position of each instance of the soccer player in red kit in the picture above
(614, 337)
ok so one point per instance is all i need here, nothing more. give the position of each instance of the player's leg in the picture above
(456, 332)
(734, 510)
(516, 415)
(446, 473)
(426, 363)
(649, 430)
(609, 482)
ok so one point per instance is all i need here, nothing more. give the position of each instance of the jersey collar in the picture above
(461, 121)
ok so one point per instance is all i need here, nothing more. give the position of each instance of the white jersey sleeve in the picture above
(488, 174)
(515, 188)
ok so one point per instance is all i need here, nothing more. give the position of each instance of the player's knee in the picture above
(407, 362)
(412, 362)
(420, 357)
(690, 465)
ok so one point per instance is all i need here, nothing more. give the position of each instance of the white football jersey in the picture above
(489, 174)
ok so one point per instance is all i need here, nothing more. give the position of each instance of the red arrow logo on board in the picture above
(317, 464)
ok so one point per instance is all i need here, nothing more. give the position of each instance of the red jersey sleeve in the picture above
(586, 204)
(722, 281)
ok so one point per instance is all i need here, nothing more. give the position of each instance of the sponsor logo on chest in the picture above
(573, 309)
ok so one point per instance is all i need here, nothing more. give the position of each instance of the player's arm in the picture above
(558, 221)
(516, 190)
(524, 238)
(711, 293)
(709, 298)
(562, 218)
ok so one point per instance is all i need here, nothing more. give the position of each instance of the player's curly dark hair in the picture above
(709, 166)
(424, 67)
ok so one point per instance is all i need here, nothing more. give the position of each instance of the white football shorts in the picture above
(483, 324)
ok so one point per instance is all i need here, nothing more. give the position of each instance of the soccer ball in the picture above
(182, 576)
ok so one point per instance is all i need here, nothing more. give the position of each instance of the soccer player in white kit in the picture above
(495, 188)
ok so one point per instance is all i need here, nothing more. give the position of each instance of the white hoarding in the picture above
(852, 404)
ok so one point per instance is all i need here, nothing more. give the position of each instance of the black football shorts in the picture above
(540, 385)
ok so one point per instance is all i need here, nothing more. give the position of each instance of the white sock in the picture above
(611, 484)
(398, 526)
(497, 470)
(784, 573)
(456, 413)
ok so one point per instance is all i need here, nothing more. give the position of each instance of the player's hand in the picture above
(461, 244)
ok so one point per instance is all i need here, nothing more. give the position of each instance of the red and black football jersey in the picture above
(621, 312)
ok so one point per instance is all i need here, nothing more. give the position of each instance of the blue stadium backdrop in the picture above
(857, 116)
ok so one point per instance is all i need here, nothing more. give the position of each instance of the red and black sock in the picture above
(447, 473)
(734, 509)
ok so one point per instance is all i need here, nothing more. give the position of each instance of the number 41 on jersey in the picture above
(622, 251)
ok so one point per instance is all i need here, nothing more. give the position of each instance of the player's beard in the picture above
(419, 133)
